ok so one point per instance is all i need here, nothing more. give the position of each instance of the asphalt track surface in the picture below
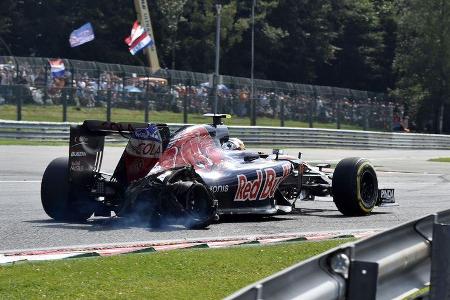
(422, 187)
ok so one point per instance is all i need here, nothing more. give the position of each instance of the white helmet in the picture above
(233, 144)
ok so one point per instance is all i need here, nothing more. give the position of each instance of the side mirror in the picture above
(277, 152)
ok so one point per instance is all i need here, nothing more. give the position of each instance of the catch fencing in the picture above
(389, 265)
(270, 137)
(93, 90)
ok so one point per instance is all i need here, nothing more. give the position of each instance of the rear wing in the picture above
(87, 142)
(108, 128)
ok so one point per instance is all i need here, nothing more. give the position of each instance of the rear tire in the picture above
(56, 198)
(200, 207)
(355, 187)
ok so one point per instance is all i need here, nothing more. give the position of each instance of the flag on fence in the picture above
(138, 39)
(57, 67)
(81, 35)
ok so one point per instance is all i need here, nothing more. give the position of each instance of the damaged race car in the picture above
(193, 176)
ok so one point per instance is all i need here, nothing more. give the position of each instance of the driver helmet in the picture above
(233, 144)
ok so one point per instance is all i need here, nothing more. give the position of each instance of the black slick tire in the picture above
(56, 198)
(200, 208)
(354, 187)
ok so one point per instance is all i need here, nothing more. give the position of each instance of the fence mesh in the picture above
(30, 89)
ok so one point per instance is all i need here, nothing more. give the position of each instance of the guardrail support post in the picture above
(338, 113)
(282, 113)
(366, 117)
(391, 118)
(64, 103)
(440, 261)
(311, 111)
(362, 280)
(108, 105)
(146, 105)
(185, 108)
(19, 103)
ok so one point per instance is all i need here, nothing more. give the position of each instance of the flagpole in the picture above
(252, 90)
(216, 73)
(143, 16)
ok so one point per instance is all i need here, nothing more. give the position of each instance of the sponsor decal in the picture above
(81, 139)
(77, 154)
(145, 143)
(248, 190)
(259, 189)
(218, 188)
(149, 133)
(76, 166)
(386, 194)
(117, 126)
(147, 149)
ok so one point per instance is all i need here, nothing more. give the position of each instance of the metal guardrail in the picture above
(261, 136)
(390, 265)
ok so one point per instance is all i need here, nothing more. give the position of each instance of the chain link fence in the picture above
(29, 90)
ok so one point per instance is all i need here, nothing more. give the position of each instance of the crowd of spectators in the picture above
(93, 88)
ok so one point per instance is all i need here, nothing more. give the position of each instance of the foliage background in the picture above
(396, 46)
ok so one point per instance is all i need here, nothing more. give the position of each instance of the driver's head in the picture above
(233, 144)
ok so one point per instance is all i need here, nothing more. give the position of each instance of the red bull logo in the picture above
(263, 186)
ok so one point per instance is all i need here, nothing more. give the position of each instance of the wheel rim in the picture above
(367, 189)
(196, 204)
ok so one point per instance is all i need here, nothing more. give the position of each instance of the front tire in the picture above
(355, 187)
(56, 198)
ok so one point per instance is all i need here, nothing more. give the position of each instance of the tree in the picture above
(423, 59)
(197, 33)
(7, 9)
(171, 11)
(307, 44)
(358, 47)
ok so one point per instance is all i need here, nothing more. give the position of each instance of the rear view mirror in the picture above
(278, 151)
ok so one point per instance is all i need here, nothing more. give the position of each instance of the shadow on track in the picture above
(320, 212)
(116, 223)
(106, 224)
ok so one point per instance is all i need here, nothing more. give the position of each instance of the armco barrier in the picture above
(389, 265)
(282, 137)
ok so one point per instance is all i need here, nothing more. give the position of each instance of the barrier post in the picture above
(64, 103)
(19, 102)
(282, 113)
(185, 108)
(46, 84)
(312, 103)
(391, 118)
(362, 281)
(71, 91)
(338, 113)
(146, 105)
(440, 261)
(366, 117)
(108, 105)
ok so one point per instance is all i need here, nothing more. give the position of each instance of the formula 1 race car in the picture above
(193, 176)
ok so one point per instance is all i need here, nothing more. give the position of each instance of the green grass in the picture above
(440, 159)
(178, 274)
(26, 142)
(54, 114)
(11, 142)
